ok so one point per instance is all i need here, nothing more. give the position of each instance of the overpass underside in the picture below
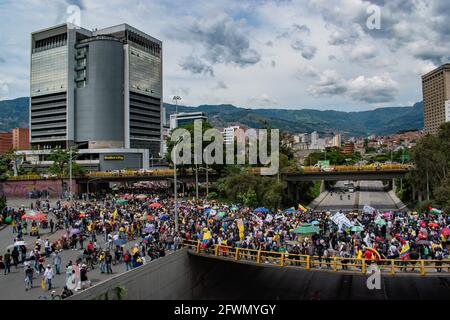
(187, 276)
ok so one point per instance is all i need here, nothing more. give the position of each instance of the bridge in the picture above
(216, 273)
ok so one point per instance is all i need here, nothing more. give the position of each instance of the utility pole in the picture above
(175, 98)
(207, 181)
(70, 175)
(196, 182)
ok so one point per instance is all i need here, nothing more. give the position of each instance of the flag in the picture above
(404, 253)
(241, 228)
(206, 237)
(115, 215)
(302, 208)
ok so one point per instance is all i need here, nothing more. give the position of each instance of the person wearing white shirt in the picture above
(48, 276)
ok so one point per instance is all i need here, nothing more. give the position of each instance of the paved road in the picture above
(12, 286)
(371, 193)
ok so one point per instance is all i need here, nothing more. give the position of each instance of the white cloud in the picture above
(372, 90)
(321, 48)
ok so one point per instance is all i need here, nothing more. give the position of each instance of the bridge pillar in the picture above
(323, 186)
(394, 187)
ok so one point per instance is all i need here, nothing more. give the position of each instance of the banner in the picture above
(341, 220)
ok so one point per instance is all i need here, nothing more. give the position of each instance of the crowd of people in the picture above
(138, 225)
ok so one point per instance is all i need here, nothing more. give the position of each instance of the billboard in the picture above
(323, 163)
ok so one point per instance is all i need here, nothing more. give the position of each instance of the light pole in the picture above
(207, 182)
(70, 175)
(176, 99)
(196, 182)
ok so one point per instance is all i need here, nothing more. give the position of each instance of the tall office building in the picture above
(337, 140)
(183, 118)
(229, 133)
(96, 89)
(436, 98)
(99, 89)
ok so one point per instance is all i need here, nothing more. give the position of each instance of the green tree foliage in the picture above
(431, 156)
(3, 202)
(251, 190)
(334, 155)
(61, 162)
(5, 167)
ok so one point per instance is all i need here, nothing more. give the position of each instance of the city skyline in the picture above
(233, 52)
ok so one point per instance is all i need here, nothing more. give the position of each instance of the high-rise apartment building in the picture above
(6, 143)
(436, 98)
(96, 89)
(21, 138)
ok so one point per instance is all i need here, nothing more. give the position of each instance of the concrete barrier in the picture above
(185, 275)
(165, 279)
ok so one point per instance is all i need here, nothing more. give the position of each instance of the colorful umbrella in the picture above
(149, 229)
(433, 225)
(445, 231)
(290, 210)
(37, 216)
(155, 205)
(380, 222)
(8, 219)
(121, 200)
(306, 229)
(164, 218)
(315, 223)
(221, 214)
(120, 242)
(141, 197)
(74, 231)
(262, 210)
(356, 228)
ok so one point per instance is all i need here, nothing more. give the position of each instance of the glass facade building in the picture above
(95, 89)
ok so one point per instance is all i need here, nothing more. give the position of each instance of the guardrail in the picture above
(381, 167)
(306, 262)
(170, 172)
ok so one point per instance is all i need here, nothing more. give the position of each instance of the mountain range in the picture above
(381, 121)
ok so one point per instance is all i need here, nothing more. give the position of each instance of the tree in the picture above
(431, 157)
(61, 163)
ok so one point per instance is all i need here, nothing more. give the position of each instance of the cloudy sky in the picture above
(317, 54)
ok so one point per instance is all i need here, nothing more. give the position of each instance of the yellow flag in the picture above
(115, 215)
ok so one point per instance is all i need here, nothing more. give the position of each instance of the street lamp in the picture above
(176, 99)
(70, 172)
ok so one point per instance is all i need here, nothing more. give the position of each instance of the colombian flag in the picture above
(302, 208)
(405, 251)
(206, 237)
(115, 215)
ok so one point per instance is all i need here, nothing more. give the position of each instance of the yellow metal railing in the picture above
(336, 264)
(370, 167)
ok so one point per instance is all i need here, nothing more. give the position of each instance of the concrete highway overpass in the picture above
(365, 175)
